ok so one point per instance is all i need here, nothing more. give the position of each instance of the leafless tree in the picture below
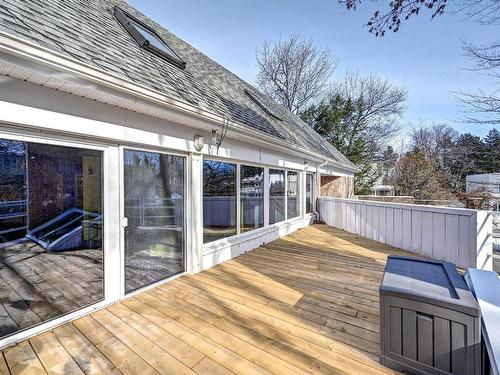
(395, 12)
(294, 71)
(420, 176)
(435, 141)
(483, 107)
(379, 109)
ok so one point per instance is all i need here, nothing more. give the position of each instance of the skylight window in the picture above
(266, 108)
(147, 38)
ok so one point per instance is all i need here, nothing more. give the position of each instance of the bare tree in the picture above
(391, 18)
(435, 141)
(379, 110)
(420, 176)
(360, 117)
(483, 107)
(293, 72)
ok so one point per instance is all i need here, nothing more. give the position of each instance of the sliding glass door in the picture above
(154, 196)
(51, 232)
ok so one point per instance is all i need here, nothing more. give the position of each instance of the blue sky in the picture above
(425, 56)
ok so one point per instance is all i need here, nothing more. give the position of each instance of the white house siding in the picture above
(35, 113)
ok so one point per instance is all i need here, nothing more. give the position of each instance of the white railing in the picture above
(460, 236)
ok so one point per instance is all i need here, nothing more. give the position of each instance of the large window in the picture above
(309, 192)
(154, 208)
(293, 202)
(219, 200)
(252, 197)
(51, 232)
(276, 195)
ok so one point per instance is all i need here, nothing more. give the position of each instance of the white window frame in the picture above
(237, 164)
(313, 191)
(110, 229)
(188, 256)
(299, 195)
(239, 235)
(239, 195)
(285, 196)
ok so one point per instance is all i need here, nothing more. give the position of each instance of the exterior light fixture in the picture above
(306, 164)
(199, 142)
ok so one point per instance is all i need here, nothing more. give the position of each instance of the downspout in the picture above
(316, 213)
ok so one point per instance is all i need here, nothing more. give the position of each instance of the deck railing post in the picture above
(483, 240)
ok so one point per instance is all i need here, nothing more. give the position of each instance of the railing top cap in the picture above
(407, 206)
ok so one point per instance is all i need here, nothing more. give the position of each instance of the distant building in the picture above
(490, 181)
(383, 190)
(380, 187)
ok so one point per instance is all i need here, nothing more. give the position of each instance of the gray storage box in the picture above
(430, 321)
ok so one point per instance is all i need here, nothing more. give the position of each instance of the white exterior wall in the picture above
(34, 113)
(460, 236)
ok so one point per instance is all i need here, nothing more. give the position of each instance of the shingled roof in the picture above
(89, 32)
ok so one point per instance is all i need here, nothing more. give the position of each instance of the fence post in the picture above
(483, 240)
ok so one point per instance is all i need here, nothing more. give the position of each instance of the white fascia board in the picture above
(82, 74)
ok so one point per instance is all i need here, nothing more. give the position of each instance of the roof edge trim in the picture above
(23, 49)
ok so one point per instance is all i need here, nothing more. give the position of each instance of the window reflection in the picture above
(154, 207)
(51, 255)
(276, 195)
(309, 192)
(219, 200)
(293, 207)
(252, 197)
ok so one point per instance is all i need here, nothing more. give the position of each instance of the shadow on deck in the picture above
(306, 303)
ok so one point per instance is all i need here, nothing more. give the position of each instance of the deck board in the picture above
(306, 303)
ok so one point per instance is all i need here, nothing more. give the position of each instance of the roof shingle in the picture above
(88, 31)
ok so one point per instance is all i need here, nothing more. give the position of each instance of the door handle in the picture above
(124, 222)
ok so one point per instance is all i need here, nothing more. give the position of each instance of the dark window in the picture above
(51, 232)
(219, 200)
(252, 197)
(309, 192)
(147, 38)
(276, 195)
(266, 107)
(293, 202)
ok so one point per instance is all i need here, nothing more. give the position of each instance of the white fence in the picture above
(460, 236)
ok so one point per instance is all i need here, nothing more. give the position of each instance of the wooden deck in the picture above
(37, 285)
(307, 303)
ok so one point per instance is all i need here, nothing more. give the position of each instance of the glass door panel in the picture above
(154, 207)
(276, 195)
(51, 232)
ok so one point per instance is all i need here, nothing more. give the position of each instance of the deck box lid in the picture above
(434, 282)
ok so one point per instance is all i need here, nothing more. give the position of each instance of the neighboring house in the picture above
(383, 190)
(380, 187)
(489, 181)
(120, 130)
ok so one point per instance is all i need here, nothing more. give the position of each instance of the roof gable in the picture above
(90, 33)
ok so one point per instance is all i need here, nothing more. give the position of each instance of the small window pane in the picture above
(276, 196)
(309, 192)
(219, 200)
(293, 208)
(252, 197)
(51, 232)
(153, 39)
